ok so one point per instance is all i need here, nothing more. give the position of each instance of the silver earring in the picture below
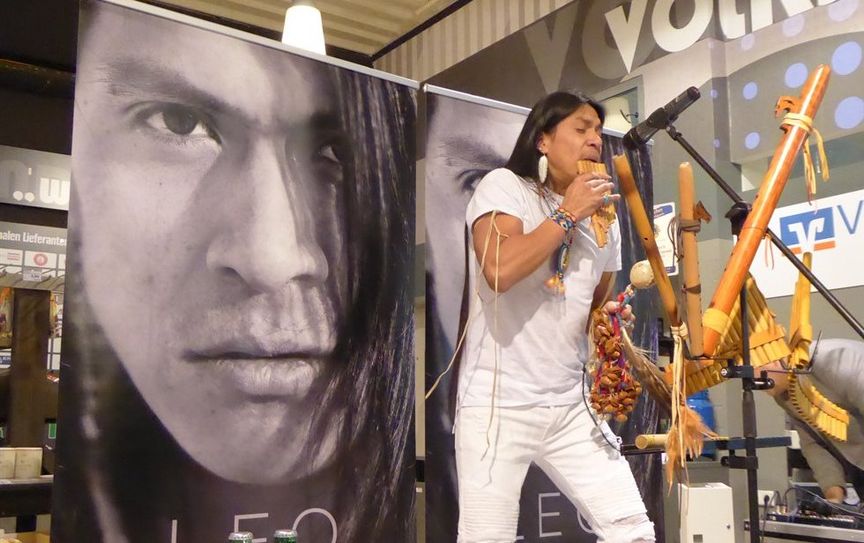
(542, 168)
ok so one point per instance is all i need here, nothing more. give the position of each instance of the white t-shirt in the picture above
(538, 337)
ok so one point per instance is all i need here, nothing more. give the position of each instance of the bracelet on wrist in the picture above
(563, 218)
(570, 216)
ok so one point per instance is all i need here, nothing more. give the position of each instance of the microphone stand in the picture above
(750, 461)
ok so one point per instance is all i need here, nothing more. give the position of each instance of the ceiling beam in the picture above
(269, 15)
(367, 26)
(334, 49)
(348, 29)
(258, 8)
(391, 25)
(351, 44)
(375, 7)
(225, 9)
(429, 9)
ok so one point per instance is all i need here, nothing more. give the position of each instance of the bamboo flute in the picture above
(764, 205)
(690, 264)
(646, 232)
(645, 441)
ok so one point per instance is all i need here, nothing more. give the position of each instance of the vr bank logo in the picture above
(815, 230)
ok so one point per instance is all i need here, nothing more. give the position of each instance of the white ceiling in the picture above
(365, 26)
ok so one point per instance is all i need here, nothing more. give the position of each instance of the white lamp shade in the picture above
(303, 28)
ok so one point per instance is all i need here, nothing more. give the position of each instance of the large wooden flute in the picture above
(646, 232)
(729, 286)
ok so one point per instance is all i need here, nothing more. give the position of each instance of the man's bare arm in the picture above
(510, 254)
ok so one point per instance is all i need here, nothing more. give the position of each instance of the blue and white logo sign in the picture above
(831, 228)
(808, 231)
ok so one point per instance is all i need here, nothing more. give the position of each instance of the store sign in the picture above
(830, 228)
(35, 252)
(34, 178)
(629, 21)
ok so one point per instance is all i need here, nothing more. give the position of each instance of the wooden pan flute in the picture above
(603, 218)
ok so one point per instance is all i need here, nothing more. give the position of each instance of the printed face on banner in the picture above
(211, 181)
(465, 141)
(219, 216)
(238, 350)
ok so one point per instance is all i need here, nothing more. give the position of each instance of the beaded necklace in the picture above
(555, 284)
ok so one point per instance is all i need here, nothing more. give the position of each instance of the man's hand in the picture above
(835, 494)
(585, 194)
(625, 313)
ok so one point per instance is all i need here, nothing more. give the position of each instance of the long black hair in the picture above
(544, 117)
(376, 387)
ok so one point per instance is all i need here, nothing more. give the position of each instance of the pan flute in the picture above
(603, 218)
(767, 341)
(807, 402)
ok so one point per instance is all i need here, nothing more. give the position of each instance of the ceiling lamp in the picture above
(303, 27)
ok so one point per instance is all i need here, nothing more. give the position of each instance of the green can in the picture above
(240, 537)
(285, 536)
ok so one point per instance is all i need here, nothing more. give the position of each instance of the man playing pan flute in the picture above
(520, 384)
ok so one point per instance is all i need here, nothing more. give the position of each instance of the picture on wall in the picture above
(238, 351)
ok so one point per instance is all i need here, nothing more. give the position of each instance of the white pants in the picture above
(568, 447)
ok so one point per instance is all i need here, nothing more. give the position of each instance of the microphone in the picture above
(660, 119)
